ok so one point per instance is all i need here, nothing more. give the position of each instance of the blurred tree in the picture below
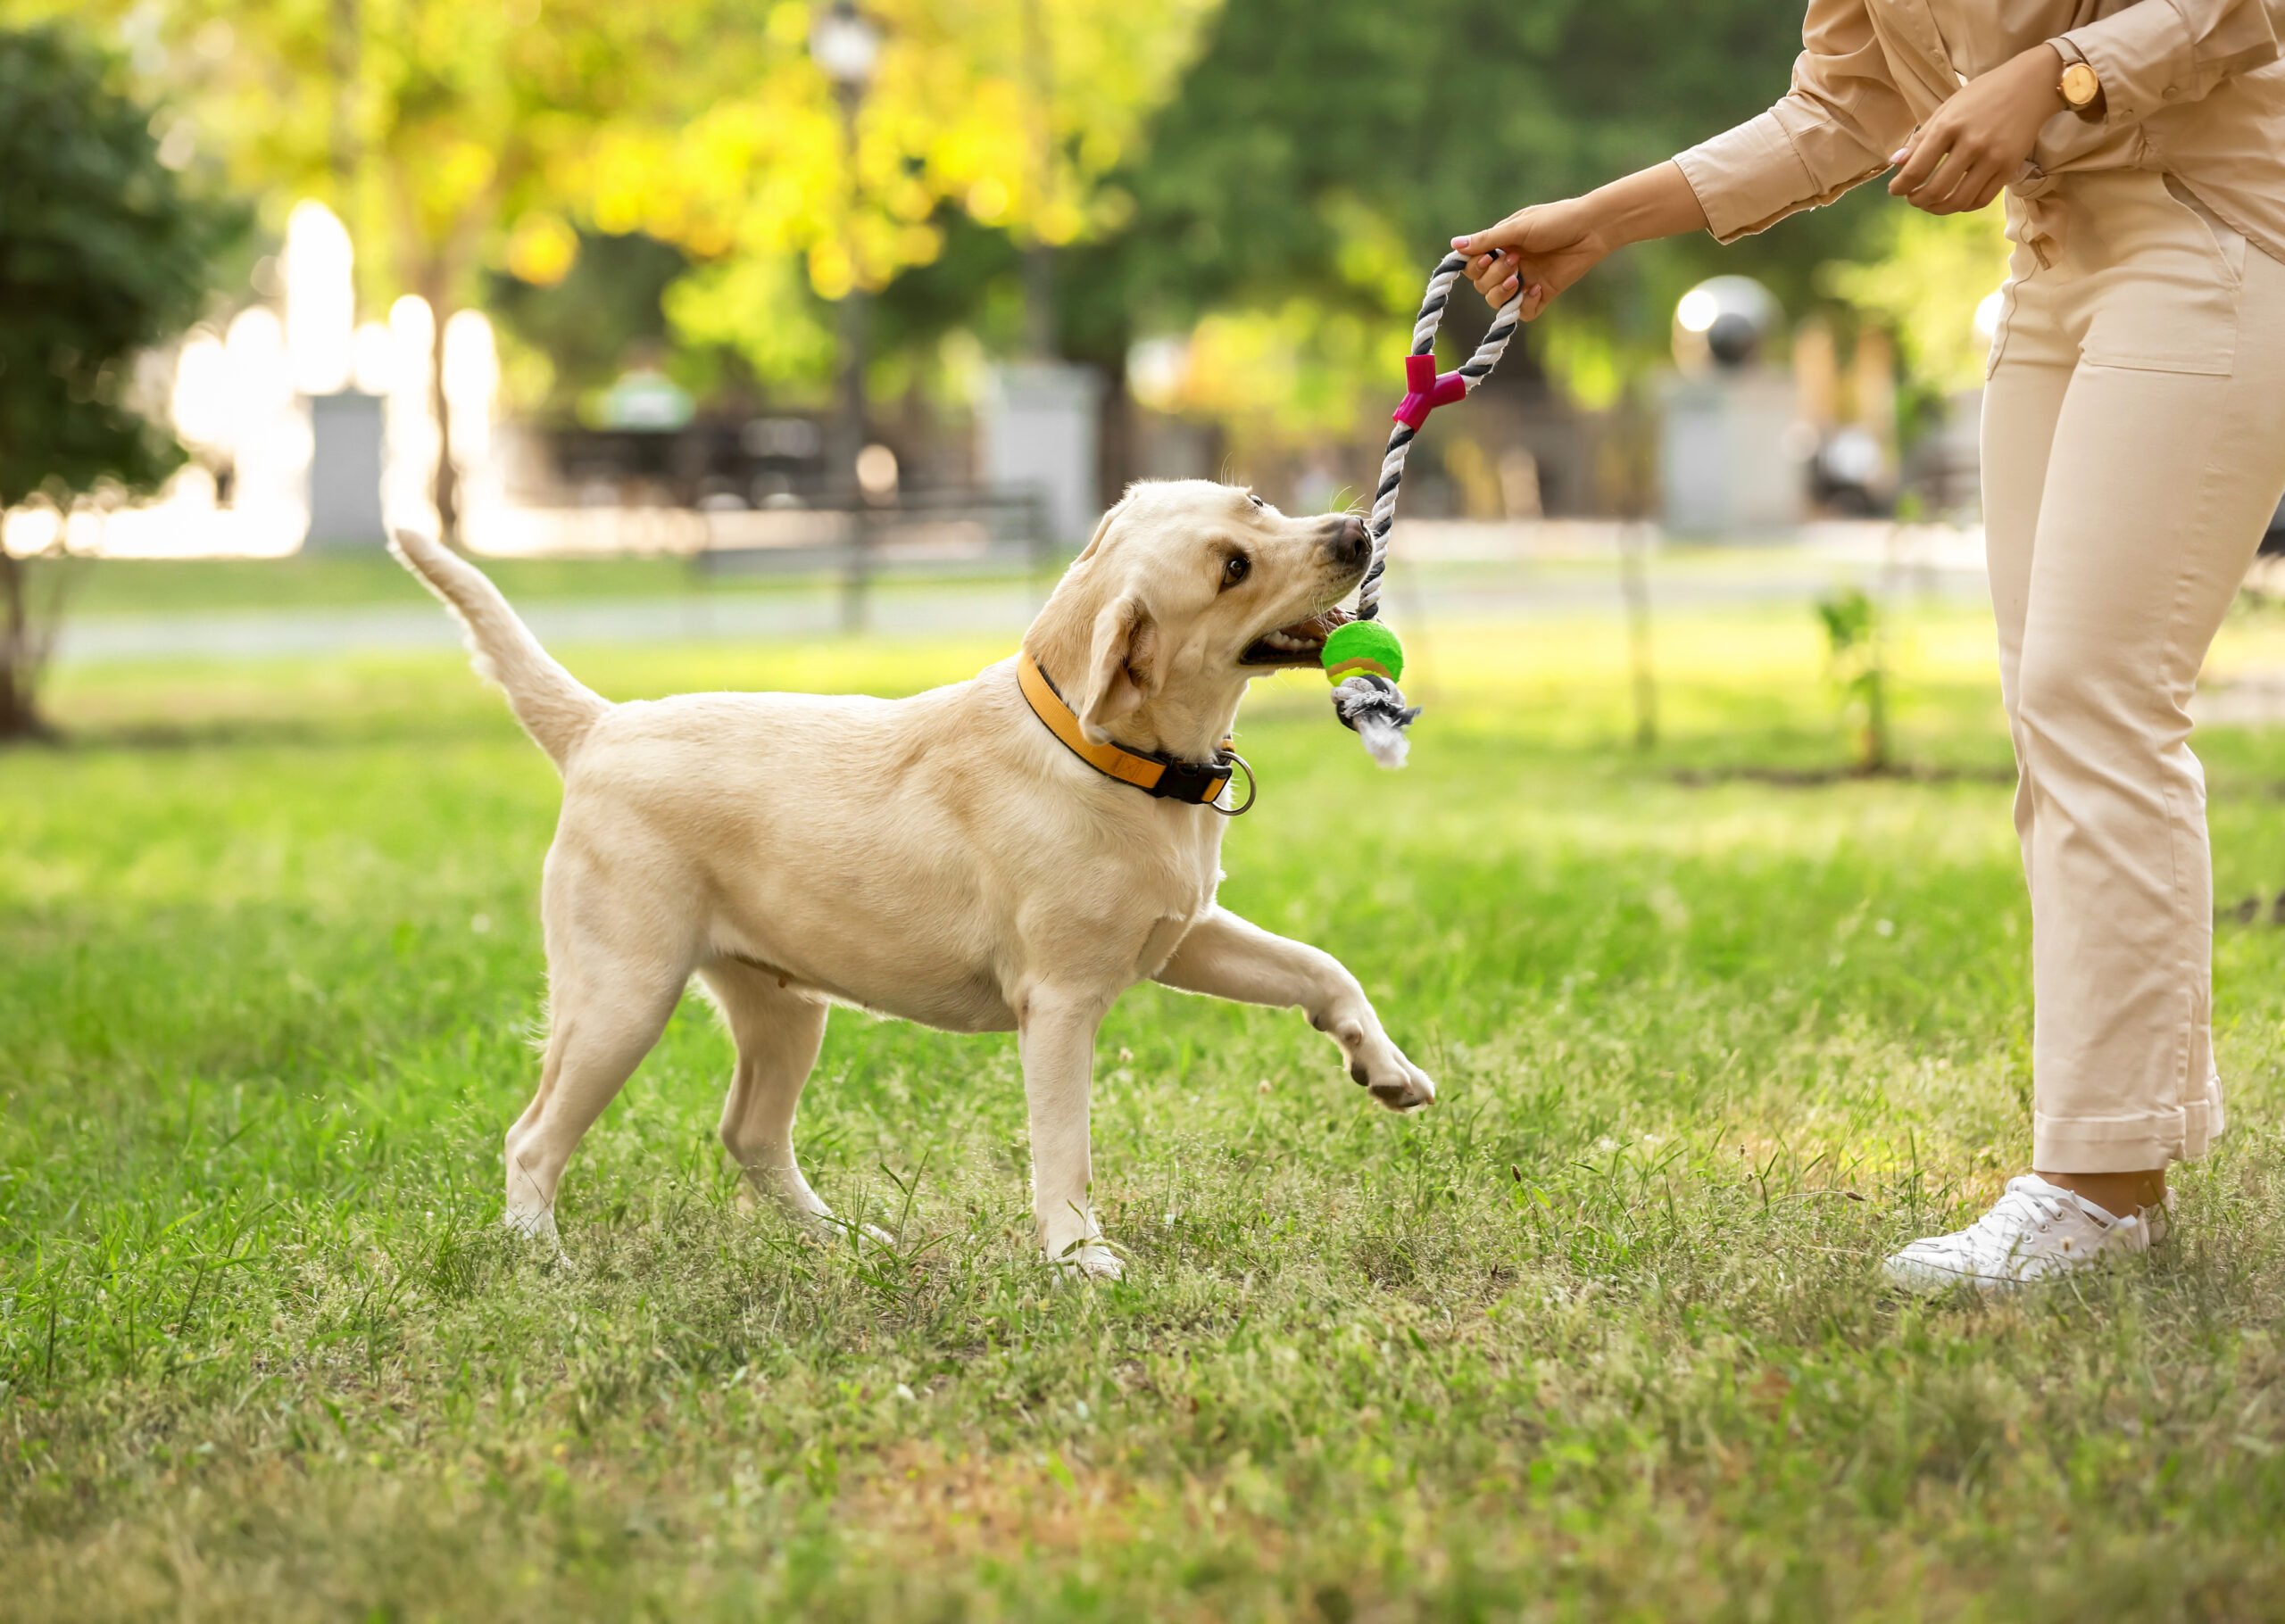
(1305, 162)
(1921, 278)
(452, 137)
(575, 329)
(1321, 154)
(104, 252)
(443, 133)
(1009, 114)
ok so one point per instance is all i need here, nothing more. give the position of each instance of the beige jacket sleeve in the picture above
(1835, 128)
(2152, 54)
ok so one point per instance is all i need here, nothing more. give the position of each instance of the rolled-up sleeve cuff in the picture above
(2143, 55)
(1748, 178)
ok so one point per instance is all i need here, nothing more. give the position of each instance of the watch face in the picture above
(2080, 85)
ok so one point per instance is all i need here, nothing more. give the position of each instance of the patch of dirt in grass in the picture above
(968, 1503)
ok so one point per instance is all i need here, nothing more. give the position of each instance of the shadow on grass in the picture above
(1819, 778)
(296, 733)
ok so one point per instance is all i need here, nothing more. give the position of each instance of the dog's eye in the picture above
(1236, 570)
(1256, 500)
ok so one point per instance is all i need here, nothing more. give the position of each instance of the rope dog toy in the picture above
(1364, 659)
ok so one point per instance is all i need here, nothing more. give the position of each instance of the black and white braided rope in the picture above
(1371, 705)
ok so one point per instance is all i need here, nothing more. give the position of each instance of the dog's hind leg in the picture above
(612, 981)
(777, 1032)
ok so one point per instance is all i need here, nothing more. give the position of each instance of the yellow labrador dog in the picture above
(1009, 852)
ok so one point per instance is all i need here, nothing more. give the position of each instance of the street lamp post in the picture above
(846, 48)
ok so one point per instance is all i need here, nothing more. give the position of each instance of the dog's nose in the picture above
(1350, 543)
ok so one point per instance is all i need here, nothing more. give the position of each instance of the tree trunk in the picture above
(1116, 450)
(16, 681)
(25, 644)
(446, 489)
(1039, 257)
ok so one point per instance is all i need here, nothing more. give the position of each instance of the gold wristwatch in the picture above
(2081, 88)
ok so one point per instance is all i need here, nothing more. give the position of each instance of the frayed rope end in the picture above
(1373, 708)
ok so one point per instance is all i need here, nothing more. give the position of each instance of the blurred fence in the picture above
(938, 533)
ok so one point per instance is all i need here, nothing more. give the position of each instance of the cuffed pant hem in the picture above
(2128, 1144)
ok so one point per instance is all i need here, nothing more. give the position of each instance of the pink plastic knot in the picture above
(1425, 390)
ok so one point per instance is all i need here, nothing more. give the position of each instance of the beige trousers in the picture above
(2133, 445)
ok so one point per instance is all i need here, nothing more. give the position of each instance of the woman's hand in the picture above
(1542, 250)
(1546, 248)
(1976, 143)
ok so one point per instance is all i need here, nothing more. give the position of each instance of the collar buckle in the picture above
(1231, 761)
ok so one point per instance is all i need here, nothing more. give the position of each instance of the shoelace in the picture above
(2022, 1205)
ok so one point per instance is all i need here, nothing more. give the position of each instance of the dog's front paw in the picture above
(846, 1232)
(1393, 1080)
(536, 1226)
(1090, 1260)
(535, 1233)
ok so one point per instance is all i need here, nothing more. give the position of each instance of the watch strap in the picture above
(2073, 57)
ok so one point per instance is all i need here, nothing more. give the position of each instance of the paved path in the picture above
(993, 609)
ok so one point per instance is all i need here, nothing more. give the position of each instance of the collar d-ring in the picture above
(1252, 789)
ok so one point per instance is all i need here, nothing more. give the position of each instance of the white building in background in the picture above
(342, 481)
(318, 269)
(323, 429)
(1037, 424)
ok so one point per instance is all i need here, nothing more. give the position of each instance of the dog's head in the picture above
(1188, 589)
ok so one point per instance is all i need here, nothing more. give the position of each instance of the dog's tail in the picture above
(556, 707)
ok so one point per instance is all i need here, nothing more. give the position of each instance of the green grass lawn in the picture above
(1597, 1336)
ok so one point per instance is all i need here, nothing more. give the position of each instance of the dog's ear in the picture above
(1103, 529)
(1124, 668)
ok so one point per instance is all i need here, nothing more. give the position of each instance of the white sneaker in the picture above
(2036, 1232)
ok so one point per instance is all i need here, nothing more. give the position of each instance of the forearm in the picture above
(1647, 204)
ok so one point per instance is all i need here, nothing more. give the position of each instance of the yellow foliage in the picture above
(970, 105)
(754, 304)
(542, 249)
(483, 134)
(1583, 359)
(1301, 367)
(1925, 289)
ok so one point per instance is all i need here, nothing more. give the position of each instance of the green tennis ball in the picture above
(1362, 645)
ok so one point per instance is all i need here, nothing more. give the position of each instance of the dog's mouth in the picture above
(1298, 644)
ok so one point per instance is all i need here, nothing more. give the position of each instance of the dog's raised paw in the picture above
(1395, 1081)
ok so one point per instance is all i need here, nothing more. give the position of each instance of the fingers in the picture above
(1497, 267)
(1946, 168)
(1500, 276)
(1976, 186)
(1506, 234)
(1919, 158)
(1530, 297)
(1942, 193)
(1967, 181)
